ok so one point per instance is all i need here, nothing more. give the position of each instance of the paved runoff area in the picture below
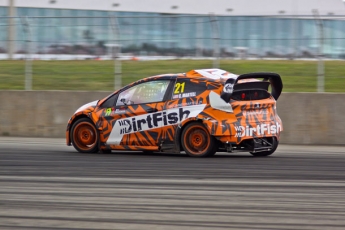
(45, 184)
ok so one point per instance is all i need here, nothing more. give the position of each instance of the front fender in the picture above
(76, 116)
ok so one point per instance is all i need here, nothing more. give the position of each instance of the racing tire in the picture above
(267, 153)
(196, 141)
(84, 136)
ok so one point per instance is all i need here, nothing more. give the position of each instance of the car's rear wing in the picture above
(273, 78)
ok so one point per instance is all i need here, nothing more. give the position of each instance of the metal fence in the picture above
(170, 36)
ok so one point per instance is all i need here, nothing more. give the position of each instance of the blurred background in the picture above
(62, 29)
(225, 34)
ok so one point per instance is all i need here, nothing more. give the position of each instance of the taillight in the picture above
(250, 94)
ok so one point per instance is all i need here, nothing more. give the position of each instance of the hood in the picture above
(90, 104)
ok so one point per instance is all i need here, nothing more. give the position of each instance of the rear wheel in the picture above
(197, 141)
(267, 153)
(84, 136)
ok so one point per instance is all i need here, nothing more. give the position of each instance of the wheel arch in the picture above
(73, 120)
(180, 130)
(211, 142)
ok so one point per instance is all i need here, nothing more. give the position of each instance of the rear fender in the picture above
(219, 127)
(213, 126)
(179, 130)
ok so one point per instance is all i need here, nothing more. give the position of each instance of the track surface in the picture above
(47, 185)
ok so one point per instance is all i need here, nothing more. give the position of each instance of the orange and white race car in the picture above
(200, 112)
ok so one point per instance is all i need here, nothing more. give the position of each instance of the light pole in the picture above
(216, 38)
(117, 51)
(320, 66)
(11, 29)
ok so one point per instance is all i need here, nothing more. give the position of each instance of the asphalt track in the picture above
(47, 185)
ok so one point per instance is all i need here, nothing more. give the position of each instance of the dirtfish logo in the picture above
(149, 121)
(154, 120)
(248, 131)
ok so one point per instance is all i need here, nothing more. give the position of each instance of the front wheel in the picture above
(84, 136)
(197, 141)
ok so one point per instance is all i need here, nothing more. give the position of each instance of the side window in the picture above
(110, 102)
(187, 88)
(147, 92)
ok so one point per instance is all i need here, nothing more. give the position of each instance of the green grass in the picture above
(91, 75)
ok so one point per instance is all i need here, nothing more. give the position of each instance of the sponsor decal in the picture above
(228, 88)
(261, 129)
(151, 121)
(189, 103)
(255, 112)
(183, 95)
(112, 111)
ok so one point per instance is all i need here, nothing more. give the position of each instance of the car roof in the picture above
(205, 74)
(212, 74)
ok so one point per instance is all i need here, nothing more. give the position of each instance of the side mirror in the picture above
(123, 101)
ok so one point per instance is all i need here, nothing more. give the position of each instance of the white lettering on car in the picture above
(151, 121)
(261, 129)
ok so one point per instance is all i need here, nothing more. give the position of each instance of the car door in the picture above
(136, 117)
(186, 101)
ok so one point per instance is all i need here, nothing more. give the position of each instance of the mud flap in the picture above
(173, 147)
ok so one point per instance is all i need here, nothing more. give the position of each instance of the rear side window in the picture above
(186, 88)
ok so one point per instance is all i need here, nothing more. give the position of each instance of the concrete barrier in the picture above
(308, 118)
(40, 113)
(312, 118)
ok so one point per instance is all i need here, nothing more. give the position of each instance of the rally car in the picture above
(199, 112)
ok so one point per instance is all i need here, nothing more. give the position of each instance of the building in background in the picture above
(257, 28)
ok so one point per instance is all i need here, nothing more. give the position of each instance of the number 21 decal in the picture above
(179, 87)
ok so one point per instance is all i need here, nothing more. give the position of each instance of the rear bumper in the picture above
(239, 133)
(254, 145)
